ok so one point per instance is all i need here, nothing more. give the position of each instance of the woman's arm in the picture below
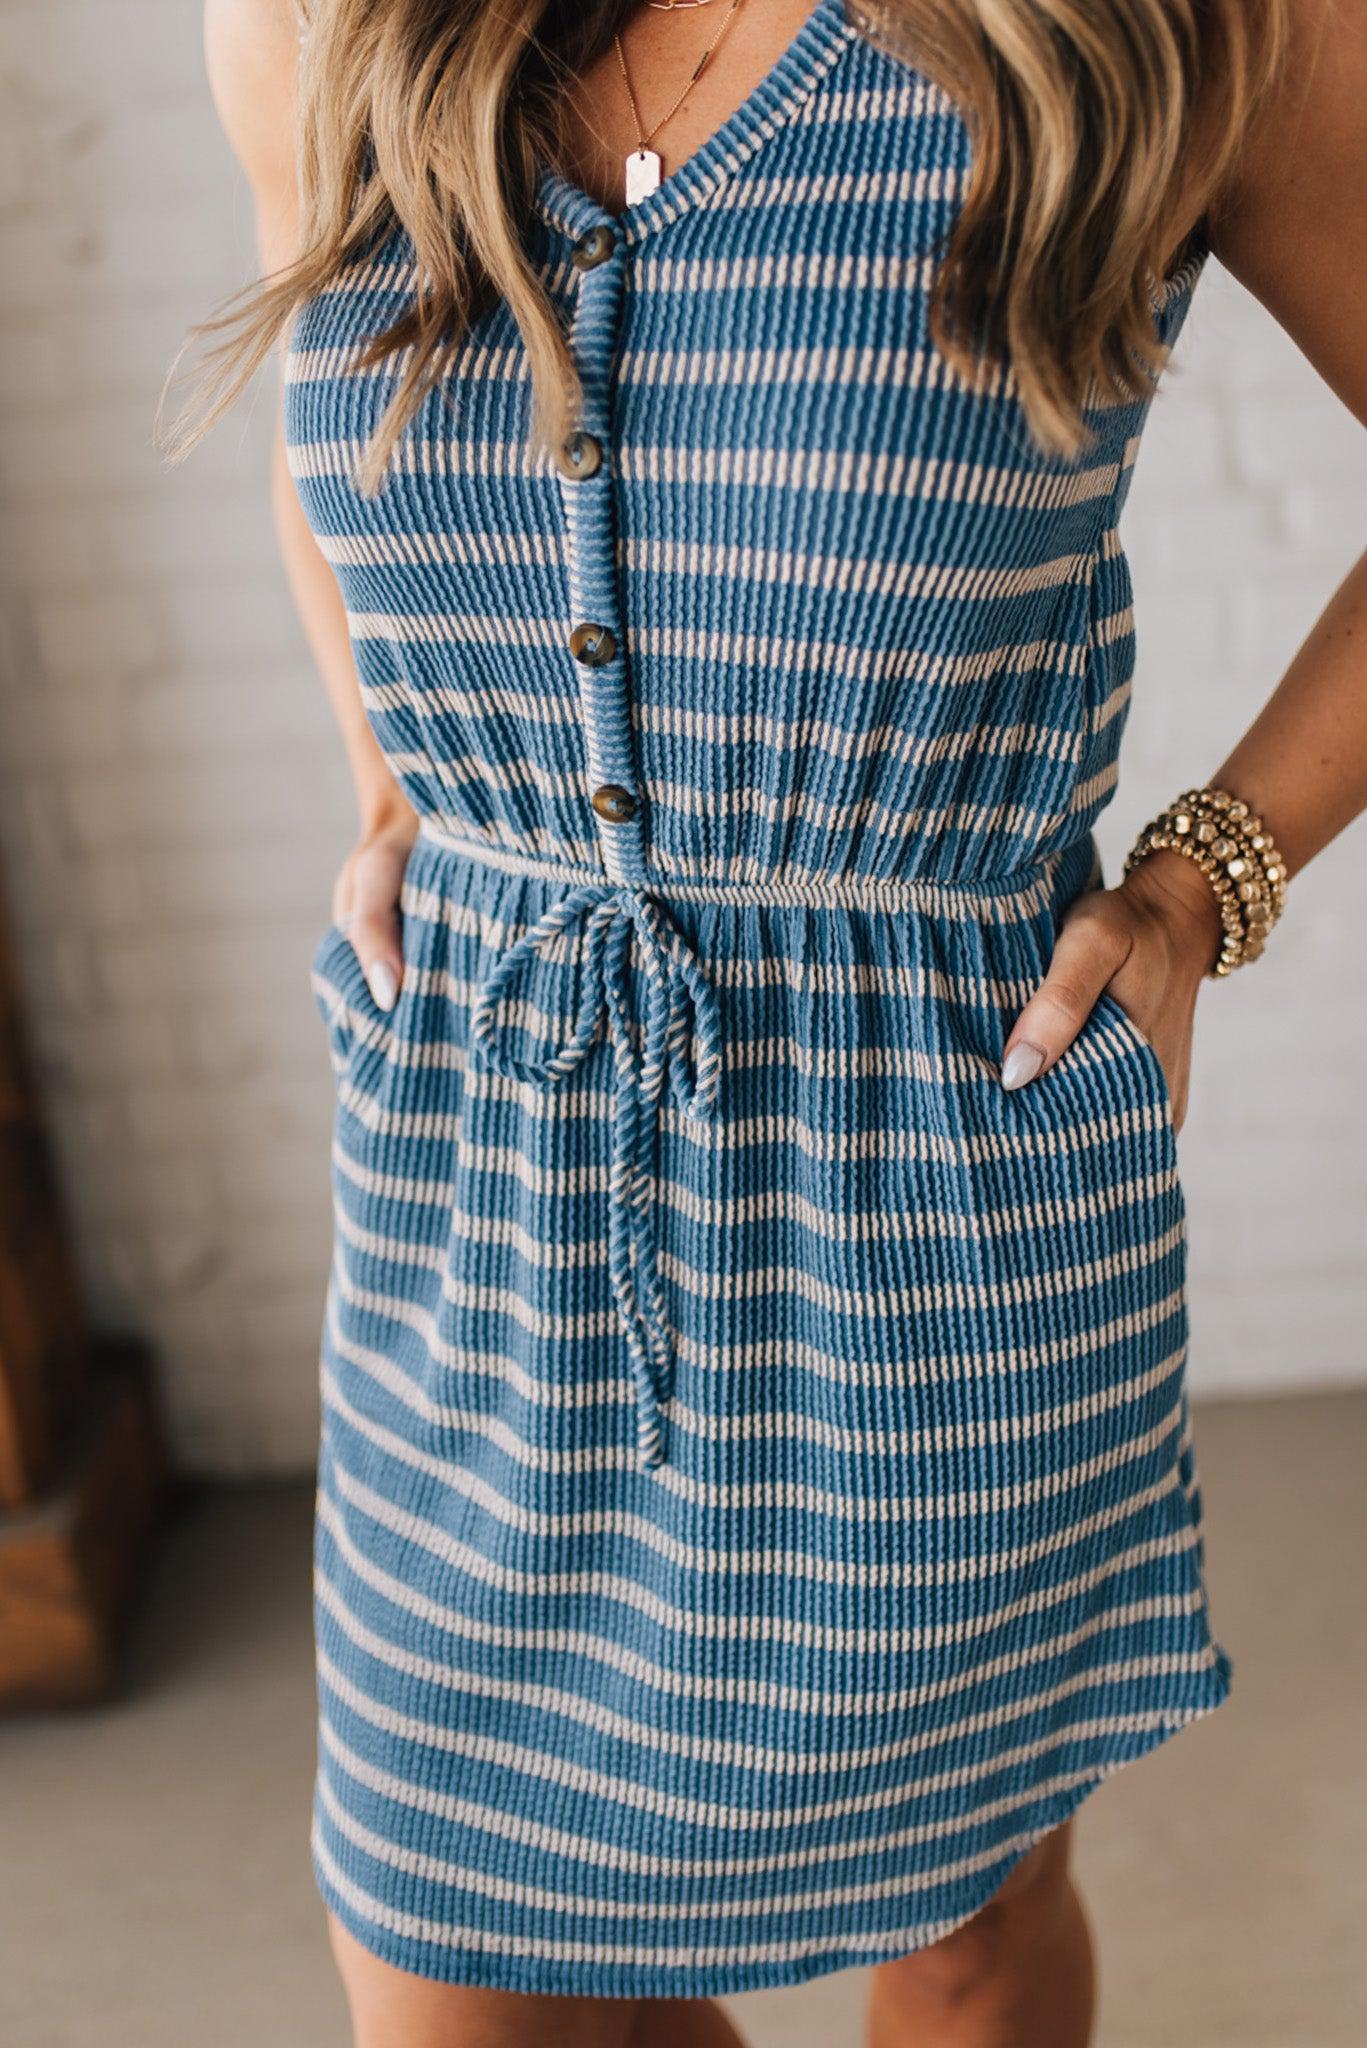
(252, 51)
(1294, 231)
(1293, 228)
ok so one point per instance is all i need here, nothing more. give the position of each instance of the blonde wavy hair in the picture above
(1100, 130)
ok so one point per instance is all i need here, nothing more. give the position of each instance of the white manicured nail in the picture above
(1021, 1064)
(384, 985)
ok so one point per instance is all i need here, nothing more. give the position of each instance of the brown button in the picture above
(593, 645)
(614, 803)
(580, 456)
(593, 248)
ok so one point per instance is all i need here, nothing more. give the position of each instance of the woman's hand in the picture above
(1149, 942)
(365, 901)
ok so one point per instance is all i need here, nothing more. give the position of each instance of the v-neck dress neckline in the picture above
(775, 99)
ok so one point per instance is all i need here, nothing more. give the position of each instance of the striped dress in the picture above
(755, 1496)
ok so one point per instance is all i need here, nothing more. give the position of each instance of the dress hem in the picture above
(492, 1973)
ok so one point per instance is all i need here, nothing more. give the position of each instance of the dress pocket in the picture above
(1112, 1011)
(343, 996)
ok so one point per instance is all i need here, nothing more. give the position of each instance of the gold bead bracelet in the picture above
(1228, 842)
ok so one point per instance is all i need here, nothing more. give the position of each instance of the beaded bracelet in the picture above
(1228, 842)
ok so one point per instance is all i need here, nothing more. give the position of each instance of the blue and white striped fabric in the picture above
(755, 1496)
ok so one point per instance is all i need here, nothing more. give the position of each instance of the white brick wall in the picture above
(172, 802)
(1249, 505)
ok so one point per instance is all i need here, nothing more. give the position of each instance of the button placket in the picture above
(593, 248)
(595, 632)
(580, 456)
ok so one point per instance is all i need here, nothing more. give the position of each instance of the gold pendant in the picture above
(643, 175)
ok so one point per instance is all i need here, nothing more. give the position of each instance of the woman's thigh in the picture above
(1018, 1926)
(393, 2009)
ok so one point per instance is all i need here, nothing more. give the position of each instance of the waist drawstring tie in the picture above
(679, 1043)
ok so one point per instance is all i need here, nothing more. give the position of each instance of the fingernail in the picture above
(384, 985)
(1021, 1064)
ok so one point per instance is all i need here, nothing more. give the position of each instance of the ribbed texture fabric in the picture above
(755, 1494)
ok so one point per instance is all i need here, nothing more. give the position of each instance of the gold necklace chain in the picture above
(644, 139)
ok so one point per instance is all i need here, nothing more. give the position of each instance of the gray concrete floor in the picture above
(154, 1885)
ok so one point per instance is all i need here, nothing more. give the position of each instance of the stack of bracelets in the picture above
(1227, 842)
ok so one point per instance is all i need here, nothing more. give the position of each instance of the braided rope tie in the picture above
(679, 1047)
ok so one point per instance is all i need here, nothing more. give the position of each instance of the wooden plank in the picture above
(70, 1561)
(43, 1340)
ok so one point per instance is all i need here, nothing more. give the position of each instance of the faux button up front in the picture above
(756, 1498)
(614, 804)
(581, 457)
(593, 248)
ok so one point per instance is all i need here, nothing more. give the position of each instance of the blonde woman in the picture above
(756, 1503)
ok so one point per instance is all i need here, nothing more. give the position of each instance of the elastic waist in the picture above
(1024, 892)
(635, 979)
